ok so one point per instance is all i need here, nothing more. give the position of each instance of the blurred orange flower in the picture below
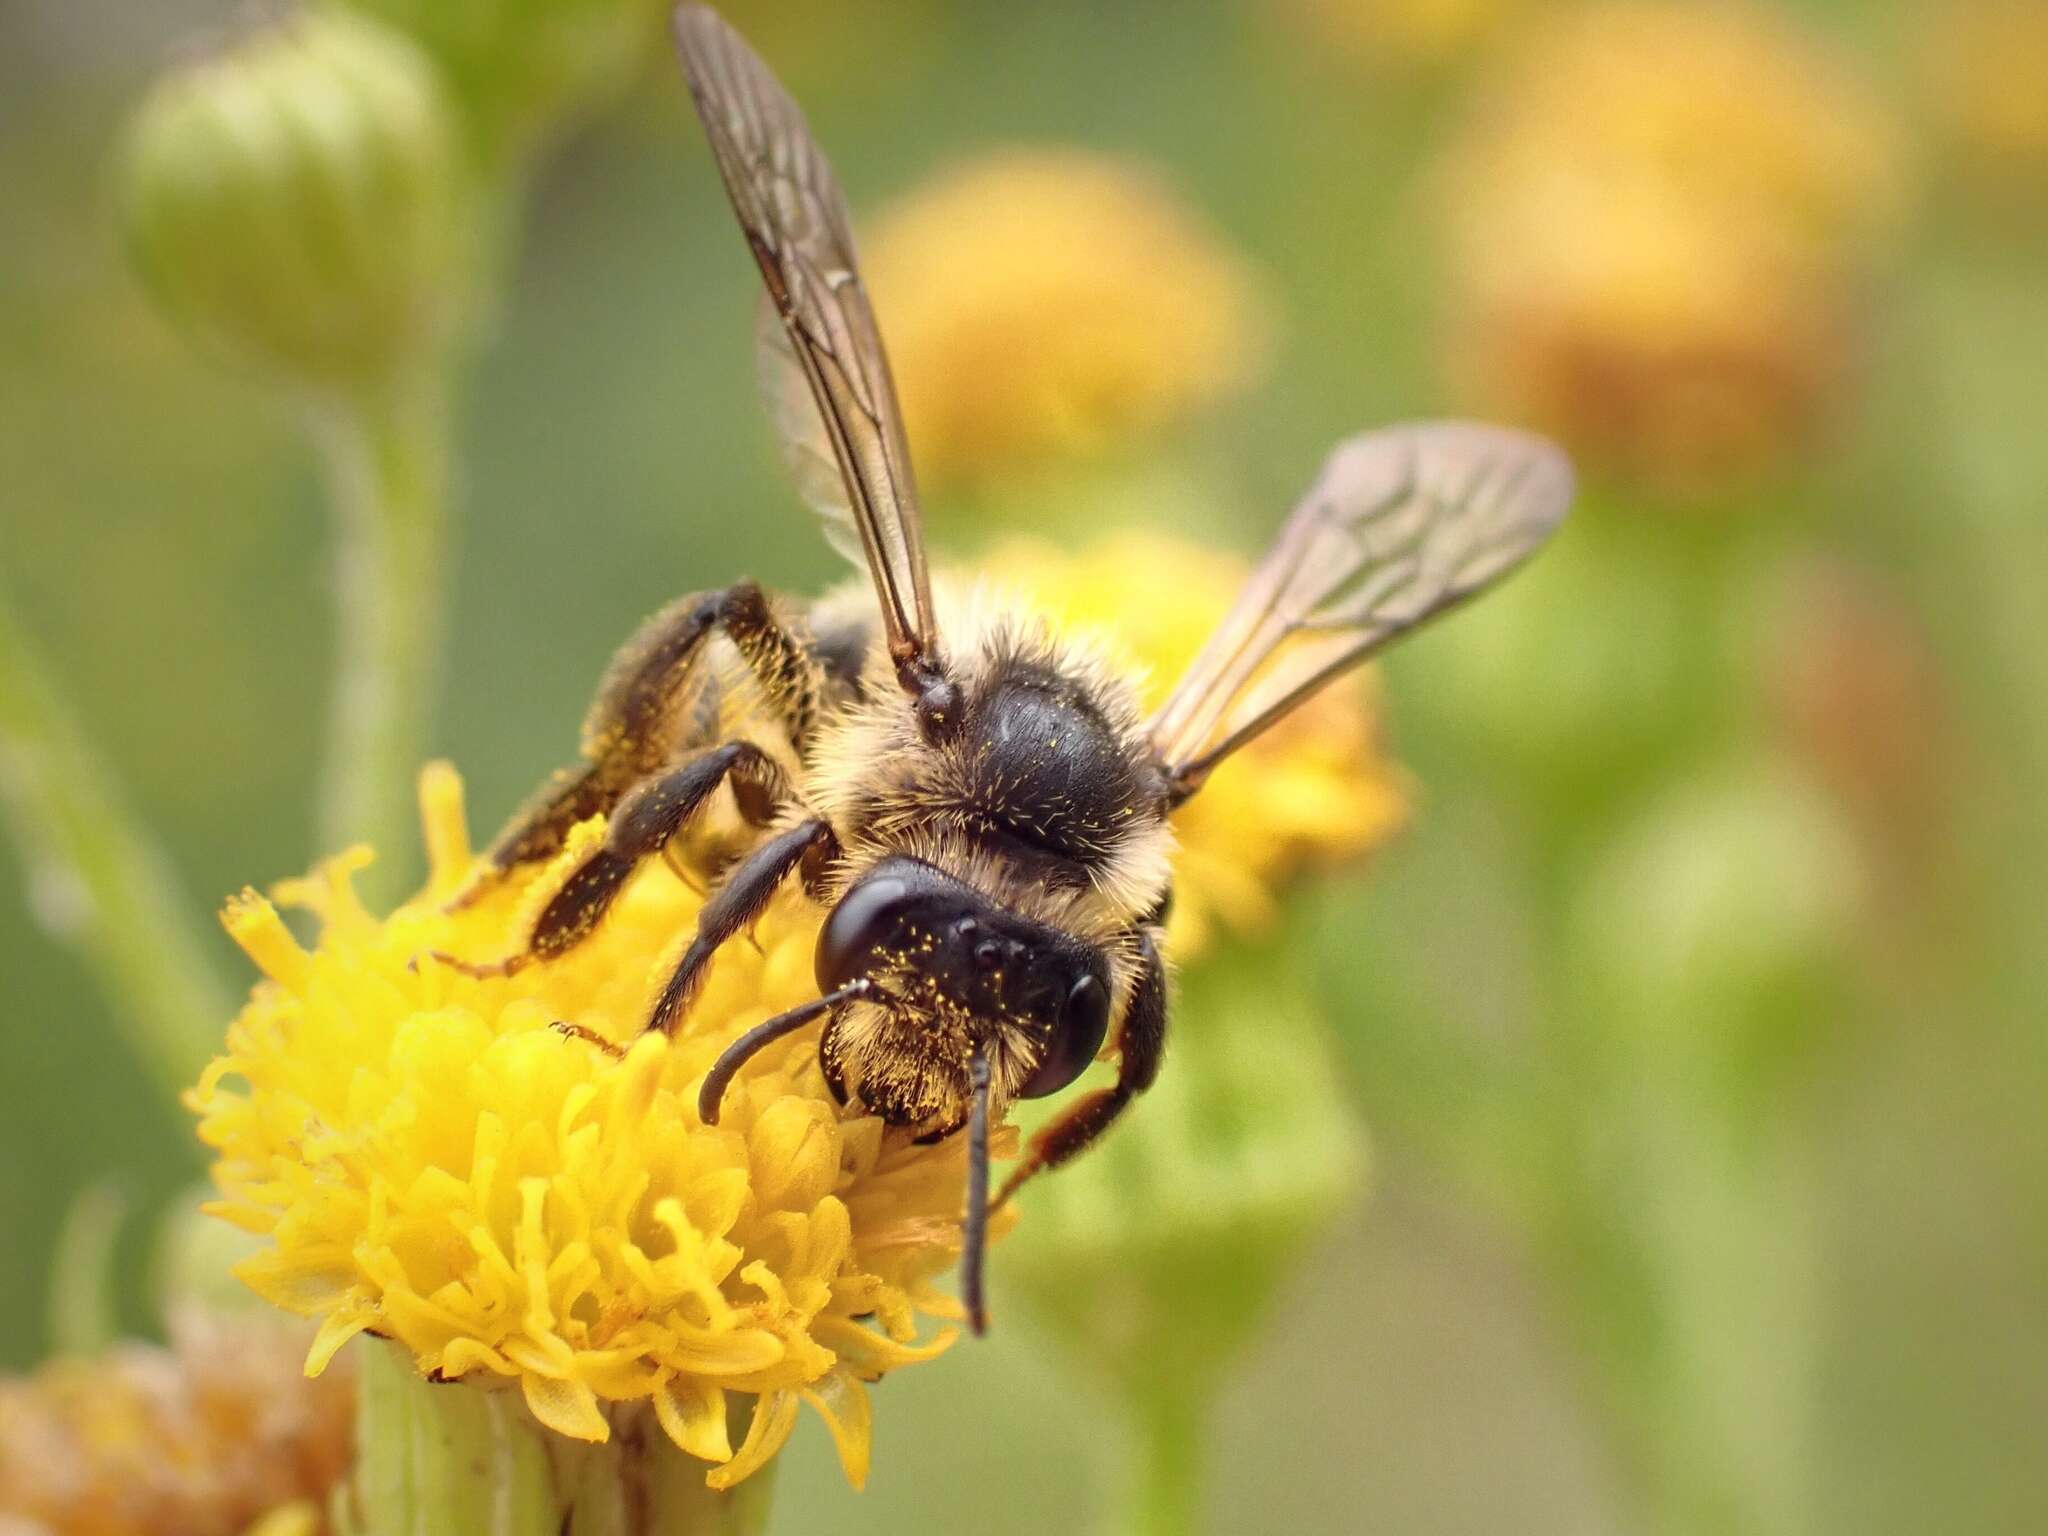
(1658, 224)
(199, 1439)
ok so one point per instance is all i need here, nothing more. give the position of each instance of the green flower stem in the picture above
(1701, 1322)
(387, 455)
(435, 1457)
(97, 879)
(1166, 1485)
(85, 1314)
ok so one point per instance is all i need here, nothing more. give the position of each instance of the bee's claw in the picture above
(611, 1048)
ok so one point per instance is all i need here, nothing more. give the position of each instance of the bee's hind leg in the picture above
(1141, 1046)
(646, 705)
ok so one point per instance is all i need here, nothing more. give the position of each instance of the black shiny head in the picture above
(939, 949)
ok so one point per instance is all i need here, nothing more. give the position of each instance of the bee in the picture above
(982, 808)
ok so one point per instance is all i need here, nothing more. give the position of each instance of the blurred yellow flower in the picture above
(1317, 788)
(1657, 226)
(198, 1439)
(431, 1160)
(1985, 63)
(1048, 303)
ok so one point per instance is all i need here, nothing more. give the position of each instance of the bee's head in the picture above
(948, 961)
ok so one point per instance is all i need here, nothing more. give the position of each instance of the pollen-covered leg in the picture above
(643, 825)
(648, 705)
(744, 896)
(1140, 1049)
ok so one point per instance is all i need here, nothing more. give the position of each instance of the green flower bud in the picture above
(1715, 923)
(515, 64)
(293, 201)
(1566, 705)
(1153, 1258)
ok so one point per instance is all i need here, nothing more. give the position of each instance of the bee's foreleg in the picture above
(974, 1222)
(744, 896)
(1140, 1047)
(643, 824)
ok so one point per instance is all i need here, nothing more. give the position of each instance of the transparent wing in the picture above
(823, 367)
(1401, 525)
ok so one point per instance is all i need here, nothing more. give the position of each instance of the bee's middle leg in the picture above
(644, 823)
(809, 847)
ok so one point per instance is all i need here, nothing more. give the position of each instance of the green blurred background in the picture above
(1698, 1020)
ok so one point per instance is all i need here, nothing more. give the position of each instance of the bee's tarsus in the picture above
(481, 970)
(611, 1048)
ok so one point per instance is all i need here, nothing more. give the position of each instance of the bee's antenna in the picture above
(736, 1055)
(974, 1228)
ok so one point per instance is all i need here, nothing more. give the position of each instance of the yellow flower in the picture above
(430, 1159)
(1314, 789)
(206, 1435)
(433, 1161)
(1049, 303)
(1984, 62)
(1657, 229)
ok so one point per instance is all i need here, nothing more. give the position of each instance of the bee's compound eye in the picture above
(864, 923)
(1083, 1022)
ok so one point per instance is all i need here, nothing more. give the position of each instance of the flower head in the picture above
(1042, 304)
(431, 1159)
(203, 1436)
(1657, 227)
